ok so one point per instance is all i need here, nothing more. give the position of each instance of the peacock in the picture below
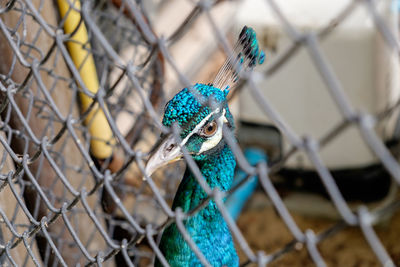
(201, 111)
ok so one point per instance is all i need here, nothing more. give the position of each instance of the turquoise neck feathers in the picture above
(207, 227)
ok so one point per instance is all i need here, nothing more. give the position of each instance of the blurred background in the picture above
(81, 104)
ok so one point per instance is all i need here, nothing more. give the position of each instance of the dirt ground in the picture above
(264, 230)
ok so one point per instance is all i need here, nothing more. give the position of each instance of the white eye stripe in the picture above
(216, 138)
(200, 125)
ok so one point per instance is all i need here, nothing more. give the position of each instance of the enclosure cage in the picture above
(83, 87)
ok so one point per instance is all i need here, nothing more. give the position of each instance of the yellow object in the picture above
(102, 141)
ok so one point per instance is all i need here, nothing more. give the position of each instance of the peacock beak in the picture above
(168, 151)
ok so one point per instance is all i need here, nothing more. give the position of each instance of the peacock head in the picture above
(202, 110)
(201, 113)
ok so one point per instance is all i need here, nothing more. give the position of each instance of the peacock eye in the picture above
(210, 129)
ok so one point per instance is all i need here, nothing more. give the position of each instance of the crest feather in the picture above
(246, 55)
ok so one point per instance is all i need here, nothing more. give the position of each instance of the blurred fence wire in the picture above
(61, 206)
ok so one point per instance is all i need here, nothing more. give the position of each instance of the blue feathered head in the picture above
(201, 111)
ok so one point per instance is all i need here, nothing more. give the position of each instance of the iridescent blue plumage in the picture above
(207, 227)
(185, 106)
(236, 201)
(201, 111)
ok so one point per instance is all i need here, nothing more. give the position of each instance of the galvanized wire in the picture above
(66, 208)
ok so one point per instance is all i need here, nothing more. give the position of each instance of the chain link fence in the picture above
(60, 205)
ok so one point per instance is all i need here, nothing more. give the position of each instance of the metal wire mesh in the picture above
(63, 207)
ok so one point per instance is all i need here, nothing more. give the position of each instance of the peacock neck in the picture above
(217, 169)
(207, 227)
